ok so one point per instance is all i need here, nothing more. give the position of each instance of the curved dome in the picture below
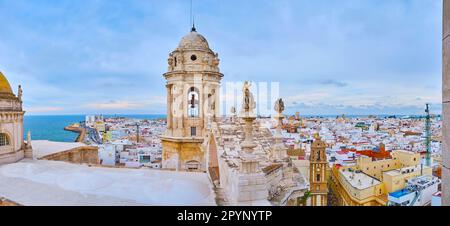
(5, 88)
(194, 40)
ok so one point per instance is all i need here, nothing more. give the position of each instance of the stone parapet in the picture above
(85, 154)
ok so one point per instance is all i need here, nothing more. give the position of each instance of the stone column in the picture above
(249, 163)
(248, 144)
(28, 147)
(446, 106)
(278, 135)
(279, 150)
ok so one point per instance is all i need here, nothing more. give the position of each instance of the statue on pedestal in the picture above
(279, 106)
(279, 150)
(248, 102)
(248, 105)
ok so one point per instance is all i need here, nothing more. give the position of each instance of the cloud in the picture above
(127, 105)
(113, 105)
(43, 109)
(329, 56)
(334, 83)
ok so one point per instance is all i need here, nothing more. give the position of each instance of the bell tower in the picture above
(318, 169)
(193, 84)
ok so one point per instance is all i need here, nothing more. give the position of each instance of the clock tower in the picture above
(318, 169)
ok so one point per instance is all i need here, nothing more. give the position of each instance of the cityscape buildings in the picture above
(446, 105)
(196, 156)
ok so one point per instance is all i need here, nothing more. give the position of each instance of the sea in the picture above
(46, 127)
(52, 127)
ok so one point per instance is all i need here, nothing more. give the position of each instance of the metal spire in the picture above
(192, 18)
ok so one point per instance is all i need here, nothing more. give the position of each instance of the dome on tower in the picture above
(5, 88)
(194, 40)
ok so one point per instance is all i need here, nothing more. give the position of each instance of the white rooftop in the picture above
(51, 183)
(360, 181)
(43, 148)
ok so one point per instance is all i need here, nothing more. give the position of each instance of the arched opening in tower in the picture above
(194, 101)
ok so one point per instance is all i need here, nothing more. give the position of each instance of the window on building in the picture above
(176, 61)
(318, 177)
(4, 140)
(193, 131)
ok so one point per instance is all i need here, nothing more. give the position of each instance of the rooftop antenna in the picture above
(192, 18)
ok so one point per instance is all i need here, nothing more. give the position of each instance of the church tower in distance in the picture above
(193, 86)
(318, 170)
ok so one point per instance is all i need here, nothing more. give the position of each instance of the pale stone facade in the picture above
(12, 146)
(79, 155)
(193, 87)
(446, 106)
(245, 164)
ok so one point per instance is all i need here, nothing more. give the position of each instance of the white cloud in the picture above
(43, 109)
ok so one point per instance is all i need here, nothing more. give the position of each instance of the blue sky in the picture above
(330, 56)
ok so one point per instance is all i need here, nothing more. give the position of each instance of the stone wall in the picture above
(177, 154)
(11, 124)
(80, 155)
(11, 157)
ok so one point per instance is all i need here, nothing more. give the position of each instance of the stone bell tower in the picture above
(193, 85)
(318, 169)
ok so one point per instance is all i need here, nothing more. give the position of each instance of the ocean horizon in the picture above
(51, 127)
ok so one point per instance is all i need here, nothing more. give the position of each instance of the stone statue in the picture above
(279, 106)
(206, 62)
(248, 103)
(212, 101)
(20, 93)
(171, 62)
(181, 59)
(216, 60)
